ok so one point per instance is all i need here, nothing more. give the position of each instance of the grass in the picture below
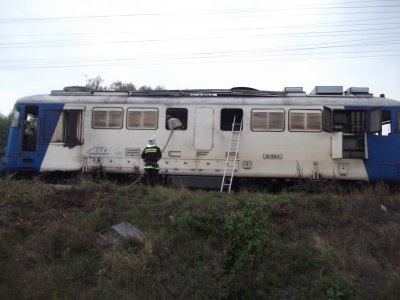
(198, 244)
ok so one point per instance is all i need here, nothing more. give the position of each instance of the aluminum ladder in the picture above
(231, 156)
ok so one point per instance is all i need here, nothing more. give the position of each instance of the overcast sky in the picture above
(49, 44)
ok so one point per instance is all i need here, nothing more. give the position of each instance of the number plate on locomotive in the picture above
(272, 156)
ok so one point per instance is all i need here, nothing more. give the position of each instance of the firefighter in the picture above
(151, 155)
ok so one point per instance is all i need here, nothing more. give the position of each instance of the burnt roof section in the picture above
(233, 92)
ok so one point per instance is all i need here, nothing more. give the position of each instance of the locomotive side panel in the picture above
(109, 145)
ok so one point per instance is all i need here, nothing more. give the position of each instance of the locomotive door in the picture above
(29, 154)
(30, 127)
(203, 128)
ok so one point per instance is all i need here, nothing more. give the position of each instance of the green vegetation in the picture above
(198, 244)
(4, 125)
(97, 83)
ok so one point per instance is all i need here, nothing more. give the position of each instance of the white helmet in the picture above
(152, 141)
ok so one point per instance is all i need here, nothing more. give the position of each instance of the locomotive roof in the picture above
(235, 96)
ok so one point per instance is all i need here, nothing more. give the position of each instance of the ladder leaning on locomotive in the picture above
(328, 134)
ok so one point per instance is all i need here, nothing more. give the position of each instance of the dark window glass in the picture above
(228, 116)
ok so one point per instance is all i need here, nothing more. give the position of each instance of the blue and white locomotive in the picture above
(328, 134)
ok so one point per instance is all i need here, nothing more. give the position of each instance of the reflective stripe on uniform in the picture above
(151, 168)
(150, 150)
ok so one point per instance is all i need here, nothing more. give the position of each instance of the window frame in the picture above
(108, 109)
(268, 110)
(142, 109)
(305, 111)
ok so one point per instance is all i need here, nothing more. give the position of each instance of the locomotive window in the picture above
(305, 120)
(142, 118)
(267, 120)
(107, 118)
(176, 118)
(115, 119)
(30, 130)
(67, 125)
(227, 117)
(386, 122)
(314, 121)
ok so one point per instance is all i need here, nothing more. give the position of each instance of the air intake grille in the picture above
(132, 151)
(202, 152)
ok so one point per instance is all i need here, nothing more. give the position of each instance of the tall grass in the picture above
(198, 244)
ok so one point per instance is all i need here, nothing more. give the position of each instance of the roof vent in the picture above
(73, 91)
(78, 89)
(357, 91)
(327, 90)
(289, 90)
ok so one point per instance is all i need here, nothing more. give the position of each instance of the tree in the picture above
(4, 126)
(145, 88)
(120, 86)
(97, 83)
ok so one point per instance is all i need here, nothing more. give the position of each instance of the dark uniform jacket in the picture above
(151, 155)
